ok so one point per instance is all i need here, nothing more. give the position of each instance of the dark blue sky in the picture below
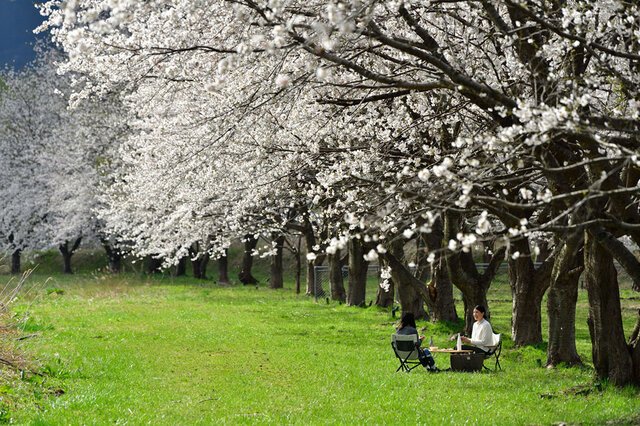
(18, 18)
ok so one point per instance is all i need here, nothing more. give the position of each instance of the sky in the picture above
(18, 18)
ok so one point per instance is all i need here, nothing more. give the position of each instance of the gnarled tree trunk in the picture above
(114, 257)
(561, 303)
(357, 273)
(199, 266)
(440, 288)
(276, 279)
(335, 277)
(611, 356)
(465, 275)
(528, 286)
(441, 293)
(199, 261)
(223, 268)
(15, 261)
(412, 292)
(245, 276)
(634, 348)
(67, 252)
(423, 267)
(298, 255)
(385, 296)
(314, 287)
(181, 267)
(152, 264)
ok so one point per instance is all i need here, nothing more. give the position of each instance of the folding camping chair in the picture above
(406, 349)
(494, 351)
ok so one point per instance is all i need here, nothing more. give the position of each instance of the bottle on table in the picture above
(459, 343)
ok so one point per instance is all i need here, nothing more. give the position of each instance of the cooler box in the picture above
(467, 362)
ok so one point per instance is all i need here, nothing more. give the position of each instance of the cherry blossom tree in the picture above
(28, 114)
(52, 159)
(458, 111)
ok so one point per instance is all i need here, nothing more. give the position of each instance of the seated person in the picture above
(407, 327)
(481, 335)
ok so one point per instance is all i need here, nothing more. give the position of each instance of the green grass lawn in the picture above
(136, 350)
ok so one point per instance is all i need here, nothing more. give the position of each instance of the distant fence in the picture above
(500, 289)
(504, 266)
(322, 285)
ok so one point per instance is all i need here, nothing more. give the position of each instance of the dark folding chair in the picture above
(494, 351)
(406, 349)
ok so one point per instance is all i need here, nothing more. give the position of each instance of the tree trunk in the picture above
(181, 267)
(276, 279)
(115, 263)
(440, 287)
(298, 265)
(465, 275)
(423, 267)
(66, 262)
(335, 277)
(204, 262)
(611, 357)
(357, 273)
(528, 286)
(15, 261)
(410, 289)
(408, 285)
(313, 288)
(619, 252)
(199, 266)
(561, 304)
(386, 297)
(114, 257)
(634, 347)
(526, 301)
(223, 268)
(152, 265)
(441, 293)
(245, 275)
(67, 252)
(195, 268)
(199, 260)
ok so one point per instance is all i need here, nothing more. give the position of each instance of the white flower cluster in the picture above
(259, 118)
(385, 275)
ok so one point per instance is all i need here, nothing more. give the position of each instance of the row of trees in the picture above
(363, 125)
(50, 159)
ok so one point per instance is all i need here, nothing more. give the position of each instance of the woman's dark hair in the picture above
(481, 308)
(408, 320)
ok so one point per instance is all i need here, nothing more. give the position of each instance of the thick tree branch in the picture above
(618, 250)
(375, 98)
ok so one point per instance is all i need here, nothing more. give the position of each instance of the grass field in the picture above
(140, 350)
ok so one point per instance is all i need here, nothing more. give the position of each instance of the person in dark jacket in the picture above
(407, 327)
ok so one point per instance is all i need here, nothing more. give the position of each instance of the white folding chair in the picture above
(494, 351)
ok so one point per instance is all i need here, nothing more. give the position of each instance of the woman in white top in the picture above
(481, 335)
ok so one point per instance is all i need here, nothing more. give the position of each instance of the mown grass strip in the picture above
(133, 350)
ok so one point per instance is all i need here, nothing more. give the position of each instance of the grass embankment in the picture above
(133, 350)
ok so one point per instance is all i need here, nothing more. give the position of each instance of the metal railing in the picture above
(322, 283)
